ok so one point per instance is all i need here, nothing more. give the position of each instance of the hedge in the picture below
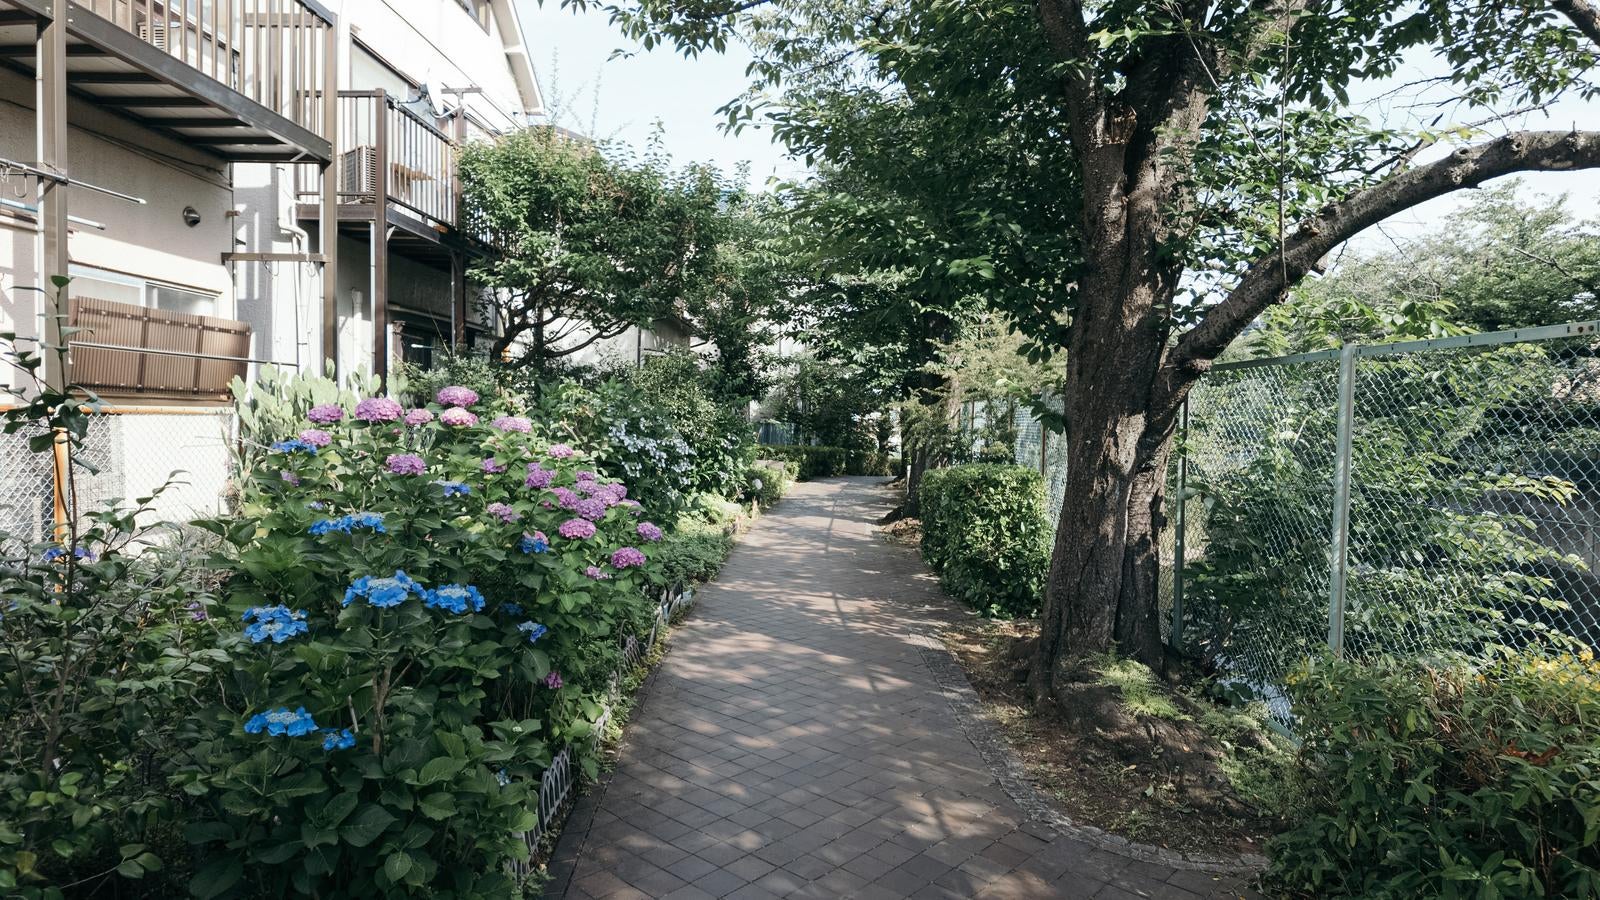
(987, 536)
(828, 462)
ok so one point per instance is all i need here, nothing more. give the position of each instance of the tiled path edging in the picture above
(806, 738)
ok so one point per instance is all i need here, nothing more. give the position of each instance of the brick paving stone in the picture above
(795, 743)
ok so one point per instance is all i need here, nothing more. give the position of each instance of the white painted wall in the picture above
(149, 241)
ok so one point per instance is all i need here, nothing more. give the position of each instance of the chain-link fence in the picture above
(1406, 498)
(182, 457)
(1411, 498)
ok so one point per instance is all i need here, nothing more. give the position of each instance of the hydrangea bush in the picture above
(429, 604)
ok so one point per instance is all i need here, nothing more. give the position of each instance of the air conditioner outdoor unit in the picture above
(154, 34)
(358, 174)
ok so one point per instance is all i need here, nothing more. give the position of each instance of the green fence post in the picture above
(1340, 543)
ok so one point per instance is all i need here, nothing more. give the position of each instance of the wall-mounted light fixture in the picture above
(191, 216)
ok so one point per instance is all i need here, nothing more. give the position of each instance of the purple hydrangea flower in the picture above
(560, 451)
(197, 611)
(378, 409)
(456, 395)
(316, 437)
(538, 476)
(591, 509)
(290, 477)
(597, 573)
(406, 464)
(418, 417)
(503, 512)
(490, 467)
(586, 476)
(566, 498)
(649, 531)
(576, 529)
(326, 413)
(514, 423)
(553, 681)
(627, 558)
(457, 417)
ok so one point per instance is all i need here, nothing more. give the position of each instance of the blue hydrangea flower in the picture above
(533, 630)
(454, 488)
(502, 777)
(342, 739)
(55, 553)
(348, 524)
(383, 592)
(281, 721)
(534, 543)
(295, 445)
(454, 598)
(273, 623)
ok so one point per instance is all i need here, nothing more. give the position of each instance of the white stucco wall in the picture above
(145, 241)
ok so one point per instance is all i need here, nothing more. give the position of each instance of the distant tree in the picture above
(589, 244)
(1502, 262)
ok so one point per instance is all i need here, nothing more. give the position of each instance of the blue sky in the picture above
(624, 99)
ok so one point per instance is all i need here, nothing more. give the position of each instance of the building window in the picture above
(100, 284)
(479, 10)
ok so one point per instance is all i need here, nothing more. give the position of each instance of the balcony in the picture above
(126, 350)
(239, 78)
(386, 150)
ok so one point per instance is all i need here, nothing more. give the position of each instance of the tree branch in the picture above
(1269, 278)
(1583, 14)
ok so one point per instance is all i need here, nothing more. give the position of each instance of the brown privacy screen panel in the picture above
(201, 353)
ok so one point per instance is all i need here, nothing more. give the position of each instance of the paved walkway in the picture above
(795, 744)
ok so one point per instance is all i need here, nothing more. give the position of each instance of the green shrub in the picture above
(432, 608)
(831, 462)
(693, 552)
(769, 479)
(985, 533)
(1448, 780)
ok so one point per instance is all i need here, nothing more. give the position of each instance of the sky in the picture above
(625, 99)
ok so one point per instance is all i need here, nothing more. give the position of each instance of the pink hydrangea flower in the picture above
(597, 573)
(419, 417)
(538, 476)
(378, 409)
(502, 512)
(456, 395)
(457, 417)
(316, 437)
(326, 413)
(627, 558)
(591, 509)
(490, 467)
(514, 423)
(406, 464)
(553, 681)
(560, 451)
(649, 531)
(576, 529)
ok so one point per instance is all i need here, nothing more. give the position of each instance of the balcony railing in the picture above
(382, 147)
(274, 52)
(136, 350)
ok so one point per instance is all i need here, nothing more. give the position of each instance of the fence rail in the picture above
(1411, 498)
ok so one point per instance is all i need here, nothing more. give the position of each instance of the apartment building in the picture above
(417, 78)
(183, 160)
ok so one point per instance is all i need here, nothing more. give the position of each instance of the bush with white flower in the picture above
(430, 603)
